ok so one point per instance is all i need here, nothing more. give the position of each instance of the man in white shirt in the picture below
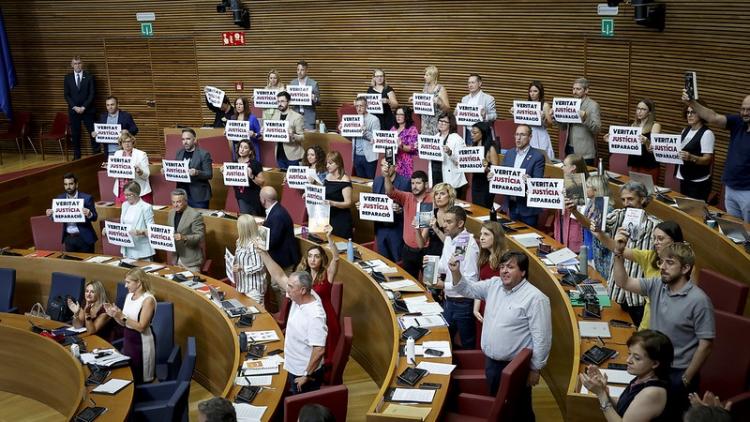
(517, 316)
(306, 332)
(486, 103)
(308, 111)
(458, 310)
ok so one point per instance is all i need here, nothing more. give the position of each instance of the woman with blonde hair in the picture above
(273, 81)
(126, 141)
(92, 315)
(339, 195)
(431, 239)
(388, 96)
(138, 214)
(250, 274)
(442, 104)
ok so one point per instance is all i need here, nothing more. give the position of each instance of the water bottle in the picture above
(322, 127)
(583, 261)
(410, 359)
(350, 251)
(75, 350)
(601, 167)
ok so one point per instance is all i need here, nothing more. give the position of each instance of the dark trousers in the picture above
(635, 312)
(363, 168)
(482, 198)
(522, 409)
(411, 260)
(198, 204)
(389, 243)
(569, 150)
(284, 163)
(697, 190)
(459, 314)
(75, 131)
(314, 382)
(529, 220)
(678, 392)
(75, 243)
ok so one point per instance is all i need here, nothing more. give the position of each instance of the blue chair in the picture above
(165, 401)
(122, 292)
(167, 353)
(66, 285)
(188, 364)
(7, 289)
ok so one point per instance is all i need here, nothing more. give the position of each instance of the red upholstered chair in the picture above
(468, 377)
(670, 180)
(106, 185)
(231, 203)
(334, 398)
(294, 203)
(258, 113)
(345, 149)
(417, 121)
(218, 146)
(108, 248)
(618, 163)
(467, 407)
(58, 132)
(505, 133)
(341, 354)
(726, 294)
(740, 410)
(46, 233)
(479, 325)
(562, 138)
(346, 108)
(268, 154)
(283, 314)
(172, 143)
(205, 268)
(420, 164)
(18, 131)
(337, 298)
(727, 370)
(161, 189)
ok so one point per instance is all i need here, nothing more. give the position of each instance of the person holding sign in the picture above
(77, 237)
(412, 253)
(248, 197)
(481, 135)
(138, 214)
(189, 232)
(79, 93)
(140, 169)
(389, 236)
(199, 169)
(339, 195)
(221, 114)
(289, 153)
(597, 188)
(307, 111)
(447, 170)
(250, 273)
(407, 141)
(477, 97)
(645, 115)
(581, 139)
(115, 116)
(532, 160)
(440, 97)
(365, 159)
(242, 113)
(568, 229)
(273, 81)
(315, 159)
(390, 103)
(539, 136)
(697, 142)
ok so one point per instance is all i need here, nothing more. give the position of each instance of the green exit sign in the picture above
(147, 29)
(608, 27)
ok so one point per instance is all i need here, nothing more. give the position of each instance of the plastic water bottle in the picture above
(410, 359)
(322, 127)
(601, 167)
(75, 350)
(583, 261)
(350, 251)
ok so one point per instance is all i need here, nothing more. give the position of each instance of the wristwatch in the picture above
(124, 319)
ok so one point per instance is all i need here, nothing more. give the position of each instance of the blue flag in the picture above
(7, 72)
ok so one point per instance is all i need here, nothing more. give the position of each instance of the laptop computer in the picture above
(733, 230)
(227, 305)
(693, 207)
(647, 181)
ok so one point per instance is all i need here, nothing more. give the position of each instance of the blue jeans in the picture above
(284, 163)
(363, 168)
(737, 203)
(493, 370)
(198, 204)
(459, 313)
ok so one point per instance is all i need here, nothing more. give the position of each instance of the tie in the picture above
(78, 80)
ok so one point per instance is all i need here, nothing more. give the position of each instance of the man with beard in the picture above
(289, 153)
(77, 237)
(679, 309)
(199, 169)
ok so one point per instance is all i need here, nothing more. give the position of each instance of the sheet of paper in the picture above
(561, 255)
(614, 391)
(594, 329)
(394, 409)
(527, 240)
(413, 395)
(617, 376)
(112, 386)
(262, 336)
(258, 380)
(248, 413)
(437, 368)
(99, 259)
(425, 308)
(415, 299)
(395, 285)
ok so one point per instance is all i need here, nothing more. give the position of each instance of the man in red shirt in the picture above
(412, 254)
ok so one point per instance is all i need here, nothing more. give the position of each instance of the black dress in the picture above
(248, 197)
(341, 218)
(387, 119)
(632, 390)
(646, 159)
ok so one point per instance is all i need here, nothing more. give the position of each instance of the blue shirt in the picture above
(737, 167)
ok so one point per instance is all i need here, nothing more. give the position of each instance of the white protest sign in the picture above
(625, 140)
(276, 130)
(107, 134)
(237, 130)
(375, 207)
(430, 147)
(297, 176)
(382, 139)
(229, 264)
(424, 104)
(161, 237)
(265, 98)
(176, 170)
(374, 103)
(314, 194)
(235, 174)
(119, 234)
(301, 94)
(470, 159)
(120, 167)
(351, 125)
(68, 211)
(666, 148)
(318, 217)
(546, 193)
(214, 95)
(467, 115)
(507, 181)
(566, 110)
(527, 112)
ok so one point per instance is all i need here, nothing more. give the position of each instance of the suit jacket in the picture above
(193, 230)
(86, 229)
(582, 136)
(124, 119)
(534, 165)
(309, 111)
(199, 189)
(282, 245)
(80, 96)
(371, 125)
(139, 216)
(140, 159)
(293, 149)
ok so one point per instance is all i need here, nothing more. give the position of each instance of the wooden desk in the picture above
(59, 382)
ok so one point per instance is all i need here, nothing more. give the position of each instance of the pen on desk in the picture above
(600, 340)
(247, 380)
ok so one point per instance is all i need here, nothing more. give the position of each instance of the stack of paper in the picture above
(248, 413)
(401, 410)
(262, 336)
(107, 358)
(594, 329)
(256, 380)
(425, 321)
(99, 259)
(527, 240)
(617, 376)
(112, 386)
(563, 256)
(425, 308)
(413, 395)
(401, 285)
(437, 368)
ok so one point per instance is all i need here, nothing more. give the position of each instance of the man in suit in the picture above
(582, 136)
(523, 156)
(486, 103)
(78, 237)
(115, 116)
(79, 94)
(363, 156)
(189, 232)
(307, 111)
(282, 246)
(199, 169)
(289, 153)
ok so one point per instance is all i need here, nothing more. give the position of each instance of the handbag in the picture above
(37, 311)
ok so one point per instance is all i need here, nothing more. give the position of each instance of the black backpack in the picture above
(58, 310)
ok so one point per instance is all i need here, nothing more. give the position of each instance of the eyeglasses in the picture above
(444, 121)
